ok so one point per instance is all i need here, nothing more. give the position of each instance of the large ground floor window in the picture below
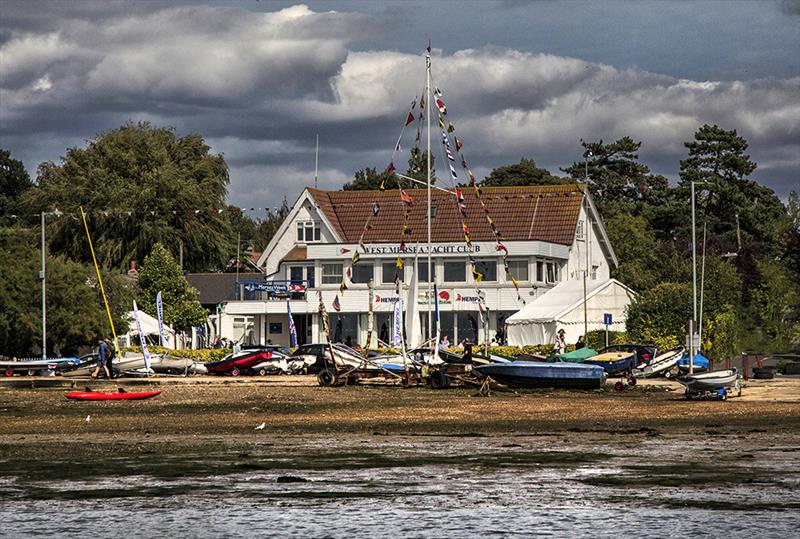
(344, 326)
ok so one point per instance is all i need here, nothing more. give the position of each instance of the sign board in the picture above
(607, 319)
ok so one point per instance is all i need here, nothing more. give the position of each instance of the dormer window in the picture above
(307, 231)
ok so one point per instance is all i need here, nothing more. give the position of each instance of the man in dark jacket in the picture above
(103, 354)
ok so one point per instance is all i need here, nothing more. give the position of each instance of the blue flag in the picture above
(292, 329)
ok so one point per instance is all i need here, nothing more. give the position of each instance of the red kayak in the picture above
(110, 395)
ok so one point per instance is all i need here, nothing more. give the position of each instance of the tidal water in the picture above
(640, 485)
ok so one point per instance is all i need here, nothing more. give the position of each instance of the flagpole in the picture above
(428, 113)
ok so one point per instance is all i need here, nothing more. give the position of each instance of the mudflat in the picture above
(296, 406)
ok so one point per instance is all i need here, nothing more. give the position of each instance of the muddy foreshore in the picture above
(40, 422)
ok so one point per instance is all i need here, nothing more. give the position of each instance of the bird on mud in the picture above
(261, 426)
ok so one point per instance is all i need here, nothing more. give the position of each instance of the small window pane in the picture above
(518, 269)
(422, 277)
(455, 272)
(540, 272)
(552, 272)
(489, 270)
(331, 273)
(316, 232)
(388, 272)
(300, 235)
(296, 274)
(362, 273)
(310, 276)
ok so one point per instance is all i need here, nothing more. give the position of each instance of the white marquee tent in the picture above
(562, 307)
(150, 329)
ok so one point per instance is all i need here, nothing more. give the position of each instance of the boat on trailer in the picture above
(535, 374)
(719, 384)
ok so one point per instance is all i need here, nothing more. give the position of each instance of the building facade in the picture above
(551, 233)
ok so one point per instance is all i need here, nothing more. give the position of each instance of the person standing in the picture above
(102, 358)
(560, 345)
(580, 344)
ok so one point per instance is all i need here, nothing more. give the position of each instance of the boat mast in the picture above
(428, 112)
(42, 276)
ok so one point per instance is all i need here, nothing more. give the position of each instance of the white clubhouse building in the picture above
(553, 234)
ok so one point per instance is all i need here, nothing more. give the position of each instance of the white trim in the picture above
(283, 229)
(598, 223)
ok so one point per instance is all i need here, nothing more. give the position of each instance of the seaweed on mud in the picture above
(682, 475)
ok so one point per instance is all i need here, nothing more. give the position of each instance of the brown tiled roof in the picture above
(543, 212)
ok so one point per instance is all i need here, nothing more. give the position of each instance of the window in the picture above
(489, 270)
(552, 272)
(422, 276)
(388, 272)
(361, 273)
(307, 231)
(579, 231)
(310, 270)
(518, 269)
(331, 273)
(296, 274)
(455, 272)
(540, 272)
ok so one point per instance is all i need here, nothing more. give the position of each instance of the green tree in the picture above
(369, 178)
(418, 166)
(268, 227)
(637, 250)
(523, 173)
(14, 181)
(76, 315)
(616, 178)
(161, 273)
(140, 185)
(659, 315)
(721, 334)
(733, 204)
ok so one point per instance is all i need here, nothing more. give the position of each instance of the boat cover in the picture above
(578, 355)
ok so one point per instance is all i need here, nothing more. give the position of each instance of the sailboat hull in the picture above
(533, 374)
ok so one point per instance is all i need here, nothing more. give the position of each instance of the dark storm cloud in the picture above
(258, 82)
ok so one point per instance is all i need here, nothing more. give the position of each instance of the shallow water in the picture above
(390, 486)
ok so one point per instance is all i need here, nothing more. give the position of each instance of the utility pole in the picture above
(42, 276)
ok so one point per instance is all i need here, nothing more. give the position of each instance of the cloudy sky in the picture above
(258, 79)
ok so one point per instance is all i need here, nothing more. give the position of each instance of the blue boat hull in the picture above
(613, 367)
(536, 374)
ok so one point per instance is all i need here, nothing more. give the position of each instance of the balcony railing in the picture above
(270, 290)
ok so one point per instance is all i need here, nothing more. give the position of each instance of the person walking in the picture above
(560, 344)
(102, 358)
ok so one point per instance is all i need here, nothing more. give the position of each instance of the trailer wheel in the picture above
(9, 372)
(619, 386)
(439, 380)
(326, 378)
(262, 372)
(723, 396)
(631, 381)
(235, 371)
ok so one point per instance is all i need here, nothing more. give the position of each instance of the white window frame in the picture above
(304, 229)
(331, 278)
(551, 272)
(523, 263)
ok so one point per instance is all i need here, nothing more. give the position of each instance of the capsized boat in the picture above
(614, 362)
(662, 363)
(538, 374)
(120, 394)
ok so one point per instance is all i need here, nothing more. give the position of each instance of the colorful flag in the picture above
(399, 264)
(478, 275)
(397, 323)
(160, 311)
(450, 127)
(375, 209)
(336, 305)
(409, 119)
(440, 104)
(292, 328)
(453, 174)
(422, 103)
(342, 288)
(458, 144)
(450, 155)
(390, 169)
(356, 257)
(405, 197)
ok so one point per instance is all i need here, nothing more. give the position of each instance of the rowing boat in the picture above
(110, 395)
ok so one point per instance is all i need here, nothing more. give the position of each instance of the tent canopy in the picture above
(563, 307)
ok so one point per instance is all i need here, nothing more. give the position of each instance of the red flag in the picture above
(458, 144)
(440, 104)
(405, 197)
(390, 169)
(409, 119)
(336, 305)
